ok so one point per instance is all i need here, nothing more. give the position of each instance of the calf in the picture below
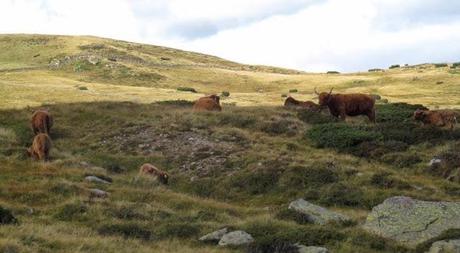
(439, 118)
(149, 169)
(40, 148)
(209, 103)
(309, 105)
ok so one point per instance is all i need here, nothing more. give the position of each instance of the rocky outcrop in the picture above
(311, 249)
(447, 246)
(236, 238)
(411, 221)
(317, 214)
(95, 179)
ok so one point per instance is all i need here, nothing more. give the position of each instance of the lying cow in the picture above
(293, 103)
(439, 118)
(150, 170)
(343, 105)
(41, 121)
(40, 148)
(208, 103)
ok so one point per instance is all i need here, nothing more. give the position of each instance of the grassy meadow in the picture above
(117, 105)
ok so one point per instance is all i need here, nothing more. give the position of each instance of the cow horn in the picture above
(316, 92)
(330, 92)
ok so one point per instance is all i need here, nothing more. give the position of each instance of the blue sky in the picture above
(310, 35)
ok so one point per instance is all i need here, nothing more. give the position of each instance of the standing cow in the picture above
(41, 121)
(40, 148)
(343, 105)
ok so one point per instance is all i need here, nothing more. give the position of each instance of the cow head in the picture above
(164, 178)
(419, 114)
(324, 98)
(215, 98)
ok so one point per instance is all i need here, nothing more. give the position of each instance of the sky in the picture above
(309, 35)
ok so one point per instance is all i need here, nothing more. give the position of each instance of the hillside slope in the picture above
(239, 168)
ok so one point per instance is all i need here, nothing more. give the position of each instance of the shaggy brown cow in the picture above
(439, 118)
(149, 169)
(40, 148)
(342, 105)
(41, 121)
(208, 103)
(292, 102)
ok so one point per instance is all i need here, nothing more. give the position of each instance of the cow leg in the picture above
(371, 115)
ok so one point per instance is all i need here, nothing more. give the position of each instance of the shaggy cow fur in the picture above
(40, 148)
(439, 118)
(209, 103)
(343, 105)
(149, 169)
(41, 122)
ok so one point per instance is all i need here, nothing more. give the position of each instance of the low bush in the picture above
(385, 180)
(284, 95)
(6, 217)
(187, 89)
(280, 126)
(376, 70)
(395, 66)
(456, 64)
(341, 136)
(179, 103)
(333, 72)
(72, 211)
(225, 94)
(401, 160)
(293, 91)
(302, 177)
(440, 65)
(315, 117)
(178, 230)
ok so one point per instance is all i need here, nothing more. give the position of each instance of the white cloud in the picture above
(313, 35)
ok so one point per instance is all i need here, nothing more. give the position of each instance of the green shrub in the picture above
(301, 177)
(178, 230)
(237, 120)
(187, 89)
(395, 66)
(396, 112)
(293, 91)
(341, 136)
(81, 66)
(6, 217)
(284, 95)
(456, 64)
(281, 126)
(341, 194)
(401, 160)
(225, 94)
(256, 182)
(376, 70)
(385, 180)
(83, 88)
(333, 72)
(376, 96)
(127, 231)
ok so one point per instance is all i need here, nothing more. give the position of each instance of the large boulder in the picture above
(214, 236)
(236, 238)
(311, 249)
(317, 214)
(447, 246)
(411, 221)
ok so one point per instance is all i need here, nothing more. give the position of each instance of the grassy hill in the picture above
(115, 108)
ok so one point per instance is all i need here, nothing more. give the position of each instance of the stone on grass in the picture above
(236, 238)
(317, 214)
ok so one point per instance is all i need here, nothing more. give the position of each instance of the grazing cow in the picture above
(343, 105)
(149, 169)
(208, 103)
(293, 103)
(40, 148)
(41, 121)
(439, 118)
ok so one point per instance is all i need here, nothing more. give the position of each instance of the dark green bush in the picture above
(256, 182)
(178, 230)
(187, 89)
(395, 66)
(83, 88)
(225, 94)
(127, 231)
(401, 160)
(293, 91)
(6, 217)
(341, 136)
(456, 64)
(301, 177)
(376, 70)
(333, 72)
(396, 112)
(237, 120)
(440, 65)
(284, 95)
(385, 180)
(280, 126)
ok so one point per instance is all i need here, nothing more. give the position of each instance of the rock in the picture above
(214, 236)
(447, 246)
(96, 193)
(6, 217)
(54, 64)
(95, 179)
(311, 249)
(93, 59)
(410, 221)
(236, 238)
(317, 214)
(434, 162)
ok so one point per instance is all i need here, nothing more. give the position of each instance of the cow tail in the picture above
(46, 124)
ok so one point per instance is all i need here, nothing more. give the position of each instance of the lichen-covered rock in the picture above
(236, 238)
(317, 214)
(214, 236)
(447, 246)
(412, 222)
(97, 193)
(95, 179)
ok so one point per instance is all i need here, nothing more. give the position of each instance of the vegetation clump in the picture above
(187, 89)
